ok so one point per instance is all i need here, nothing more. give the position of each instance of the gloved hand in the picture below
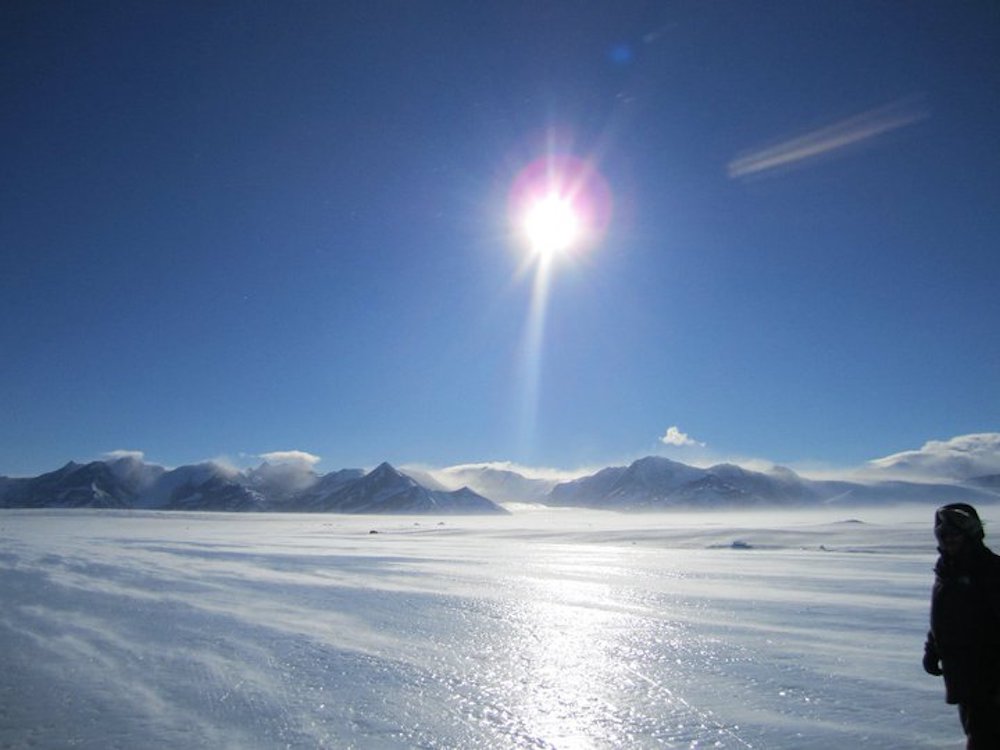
(932, 663)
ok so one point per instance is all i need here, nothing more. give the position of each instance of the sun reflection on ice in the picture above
(567, 665)
(580, 657)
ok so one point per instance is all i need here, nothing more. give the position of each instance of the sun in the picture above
(551, 224)
(559, 207)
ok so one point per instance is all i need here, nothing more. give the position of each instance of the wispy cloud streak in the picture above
(891, 116)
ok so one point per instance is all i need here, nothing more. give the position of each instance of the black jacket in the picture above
(965, 625)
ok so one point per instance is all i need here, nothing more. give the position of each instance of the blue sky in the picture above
(234, 228)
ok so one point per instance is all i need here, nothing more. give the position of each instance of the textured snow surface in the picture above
(543, 629)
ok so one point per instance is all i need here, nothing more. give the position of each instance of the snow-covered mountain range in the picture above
(129, 482)
(657, 483)
(651, 483)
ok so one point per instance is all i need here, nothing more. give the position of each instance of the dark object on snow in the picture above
(963, 643)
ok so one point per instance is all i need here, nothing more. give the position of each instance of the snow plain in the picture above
(543, 629)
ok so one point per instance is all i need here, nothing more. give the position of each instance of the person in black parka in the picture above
(964, 639)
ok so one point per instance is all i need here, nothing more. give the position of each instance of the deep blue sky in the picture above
(231, 228)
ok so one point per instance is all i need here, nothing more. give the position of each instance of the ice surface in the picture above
(543, 629)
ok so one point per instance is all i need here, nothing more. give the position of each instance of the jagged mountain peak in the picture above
(387, 474)
(384, 468)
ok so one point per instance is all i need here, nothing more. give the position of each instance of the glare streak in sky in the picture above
(896, 114)
(531, 357)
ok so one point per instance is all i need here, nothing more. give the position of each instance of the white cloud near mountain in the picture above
(290, 457)
(676, 438)
(119, 454)
(284, 473)
(961, 457)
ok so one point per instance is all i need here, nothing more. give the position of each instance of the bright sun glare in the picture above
(558, 205)
(551, 225)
